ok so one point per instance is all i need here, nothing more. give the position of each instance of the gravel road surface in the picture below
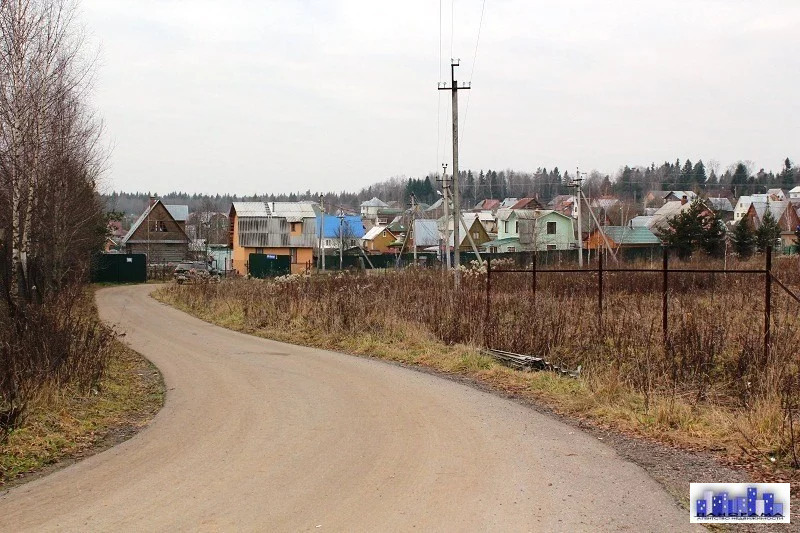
(258, 435)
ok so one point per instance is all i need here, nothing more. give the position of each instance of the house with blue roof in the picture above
(345, 231)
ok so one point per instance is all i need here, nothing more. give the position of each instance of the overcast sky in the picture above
(258, 96)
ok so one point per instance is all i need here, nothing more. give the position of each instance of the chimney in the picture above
(684, 200)
(152, 200)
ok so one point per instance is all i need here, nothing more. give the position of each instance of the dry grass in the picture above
(708, 387)
(72, 423)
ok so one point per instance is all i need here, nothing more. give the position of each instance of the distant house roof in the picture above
(661, 217)
(291, 211)
(374, 202)
(627, 235)
(776, 192)
(179, 212)
(690, 195)
(605, 203)
(500, 242)
(508, 202)
(396, 225)
(351, 226)
(251, 209)
(435, 205)
(719, 204)
(489, 204)
(373, 233)
(426, 232)
(642, 221)
(795, 190)
(527, 203)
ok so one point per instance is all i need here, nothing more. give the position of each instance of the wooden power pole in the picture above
(454, 88)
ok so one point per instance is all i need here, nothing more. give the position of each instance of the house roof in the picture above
(294, 211)
(426, 232)
(690, 195)
(526, 203)
(374, 231)
(605, 203)
(719, 204)
(143, 217)
(500, 242)
(489, 204)
(628, 235)
(777, 208)
(251, 209)
(508, 202)
(665, 212)
(777, 192)
(352, 223)
(374, 202)
(179, 212)
(795, 190)
(642, 221)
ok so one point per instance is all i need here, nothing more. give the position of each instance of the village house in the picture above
(528, 230)
(794, 194)
(489, 204)
(159, 233)
(424, 234)
(369, 208)
(618, 237)
(273, 228)
(528, 203)
(677, 196)
(566, 204)
(743, 205)
(345, 231)
(378, 240)
(783, 212)
(474, 228)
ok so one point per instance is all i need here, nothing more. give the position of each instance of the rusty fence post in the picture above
(767, 301)
(664, 293)
(600, 291)
(488, 299)
(533, 276)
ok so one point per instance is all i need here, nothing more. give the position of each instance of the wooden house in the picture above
(378, 239)
(158, 234)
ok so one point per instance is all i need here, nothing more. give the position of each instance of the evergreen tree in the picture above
(712, 237)
(687, 176)
(768, 232)
(788, 175)
(470, 191)
(743, 239)
(699, 173)
(685, 230)
(741, 178)
(797, 239)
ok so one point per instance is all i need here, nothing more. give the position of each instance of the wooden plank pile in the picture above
(528, 363)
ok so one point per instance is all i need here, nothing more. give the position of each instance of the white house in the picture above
(744, 203)
(370, 208)
(794, 194)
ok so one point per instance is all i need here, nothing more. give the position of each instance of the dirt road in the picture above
(262, 436)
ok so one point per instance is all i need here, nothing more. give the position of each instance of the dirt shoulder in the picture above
(75, 426)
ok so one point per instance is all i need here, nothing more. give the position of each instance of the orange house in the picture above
(378, 239)
(277, 228)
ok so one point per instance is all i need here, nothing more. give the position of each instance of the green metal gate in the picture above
(269, 265)
(119, 268)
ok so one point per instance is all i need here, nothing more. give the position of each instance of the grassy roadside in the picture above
(75, 425)
(671, 421)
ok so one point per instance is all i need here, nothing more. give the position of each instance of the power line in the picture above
(472, 71)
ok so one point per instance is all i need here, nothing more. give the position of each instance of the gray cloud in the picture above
(253, 96)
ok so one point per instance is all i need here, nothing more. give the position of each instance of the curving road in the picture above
(258, 435)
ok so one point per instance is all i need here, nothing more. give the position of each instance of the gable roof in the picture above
(374, 231)
(660, 219)
(144, 216)
(527, 203)
(690, 195)
(508, 202)
(374, 202)
(251, 209)
(352, 223)
(488, 204)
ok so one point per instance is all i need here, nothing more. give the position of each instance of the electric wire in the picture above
(472, 70)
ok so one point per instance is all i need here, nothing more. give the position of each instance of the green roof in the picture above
(628, 235)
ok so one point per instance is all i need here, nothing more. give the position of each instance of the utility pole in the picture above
(341, 240)
(577, 184)
(446, 201)
(454, 88)
(412, 229)
(322, 232)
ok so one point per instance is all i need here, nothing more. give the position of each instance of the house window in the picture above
(476, 235)
(384, 233)
(551, 228)
(516, 226)
(551, 246)
(293, 253)
(512, 248)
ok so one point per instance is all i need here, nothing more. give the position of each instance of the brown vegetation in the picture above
(709, 385)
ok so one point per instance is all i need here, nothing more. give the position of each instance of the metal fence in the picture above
(535, 271)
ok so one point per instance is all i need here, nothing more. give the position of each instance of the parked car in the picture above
(195, 271)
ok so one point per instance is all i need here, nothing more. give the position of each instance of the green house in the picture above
(528, 229)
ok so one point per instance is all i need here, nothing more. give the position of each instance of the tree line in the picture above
(630, 183)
